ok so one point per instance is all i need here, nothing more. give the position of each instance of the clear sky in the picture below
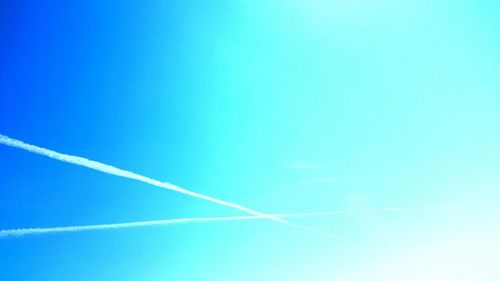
(281, 106)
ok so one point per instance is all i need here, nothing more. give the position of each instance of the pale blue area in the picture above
(282, 106)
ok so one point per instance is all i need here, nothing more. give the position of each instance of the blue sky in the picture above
(282, 106)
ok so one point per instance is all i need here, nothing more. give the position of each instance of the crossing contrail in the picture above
(108, 169)
(61, 229)
(54, 230)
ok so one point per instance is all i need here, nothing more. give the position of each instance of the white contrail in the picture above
(32, 231)
(61, 229)
(80, 161)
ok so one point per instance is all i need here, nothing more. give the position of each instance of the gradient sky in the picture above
(282, 106)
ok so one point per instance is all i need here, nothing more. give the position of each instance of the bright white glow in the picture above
(452, 259)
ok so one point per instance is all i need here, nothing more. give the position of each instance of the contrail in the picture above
(30, 231)
(108, 169)
(54, 230)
